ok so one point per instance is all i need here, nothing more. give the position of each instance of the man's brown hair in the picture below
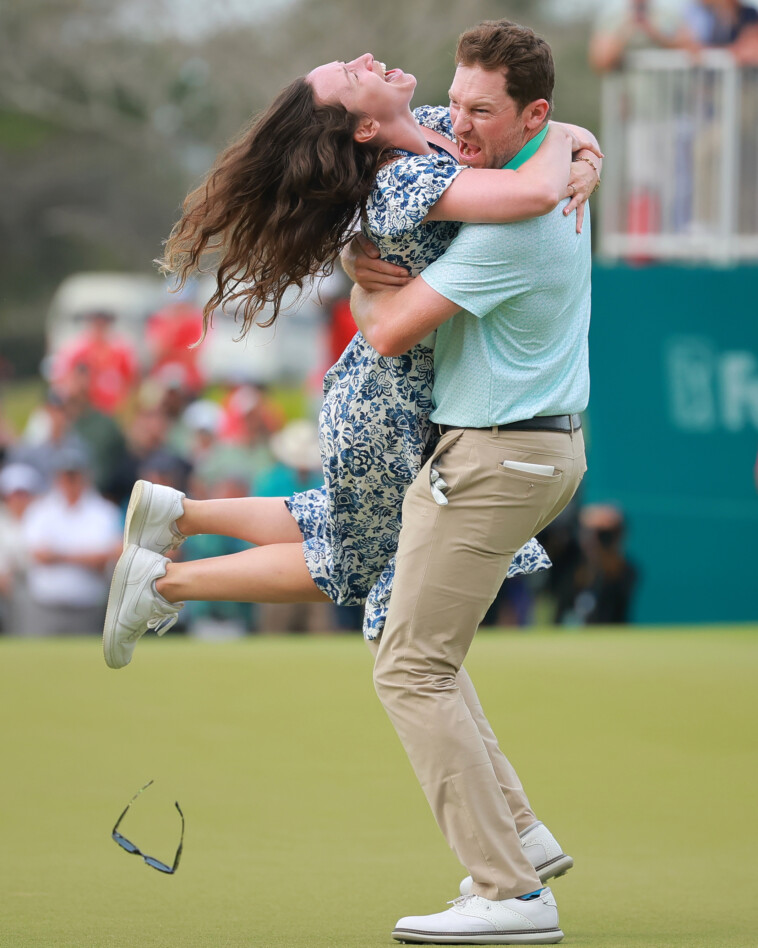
(525, 58)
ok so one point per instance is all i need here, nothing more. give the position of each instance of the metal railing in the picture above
(681, 177)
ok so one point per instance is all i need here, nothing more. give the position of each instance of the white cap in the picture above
(297, 446)
(20, 477)
(203, 415)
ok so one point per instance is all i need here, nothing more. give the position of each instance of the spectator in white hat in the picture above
(73, 536)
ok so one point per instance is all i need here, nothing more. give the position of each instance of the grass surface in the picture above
(305, 826)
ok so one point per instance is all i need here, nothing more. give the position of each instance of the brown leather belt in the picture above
(539, 423)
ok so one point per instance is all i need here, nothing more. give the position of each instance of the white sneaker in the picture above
(542, 850)
(134, 604)
(473, 920)
(151, 517)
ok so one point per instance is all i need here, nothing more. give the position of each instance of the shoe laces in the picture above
(462, 900)
(177, 537)
(161, 624)
(165, 616)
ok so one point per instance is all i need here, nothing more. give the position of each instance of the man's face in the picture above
(71, 484)
(487, 122)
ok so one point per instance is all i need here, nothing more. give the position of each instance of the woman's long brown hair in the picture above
(277, 206)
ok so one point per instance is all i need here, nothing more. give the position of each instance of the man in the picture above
(726, 24)
(72, 536)
(511, 376)
(110, 360)
(622, 26)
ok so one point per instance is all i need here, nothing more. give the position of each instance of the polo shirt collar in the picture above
(527, 151)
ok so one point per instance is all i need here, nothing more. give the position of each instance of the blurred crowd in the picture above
(692, 25)
(683, 125)
(65, 481)
(107, 420)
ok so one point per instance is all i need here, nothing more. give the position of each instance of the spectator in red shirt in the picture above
(171, 335)
(110, 361)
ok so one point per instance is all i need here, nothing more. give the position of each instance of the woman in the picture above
(278, 205)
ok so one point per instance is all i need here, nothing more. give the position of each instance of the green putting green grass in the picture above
(305, 826)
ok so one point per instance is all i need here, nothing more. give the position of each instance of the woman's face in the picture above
(364, 86)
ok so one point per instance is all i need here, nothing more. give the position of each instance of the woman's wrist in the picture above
(593, 161)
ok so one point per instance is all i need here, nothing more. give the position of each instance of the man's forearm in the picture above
(395, 320)
(371, 312)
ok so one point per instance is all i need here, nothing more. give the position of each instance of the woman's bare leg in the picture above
(273, 573)
(258, 520)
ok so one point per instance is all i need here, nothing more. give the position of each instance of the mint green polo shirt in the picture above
(518, 348)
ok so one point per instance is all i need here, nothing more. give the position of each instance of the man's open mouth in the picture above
(468, 151)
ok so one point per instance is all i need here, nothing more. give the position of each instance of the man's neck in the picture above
(528, 148)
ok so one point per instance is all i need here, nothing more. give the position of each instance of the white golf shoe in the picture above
(473, 920)
(151, 517)
(134, 604)
(542, 850)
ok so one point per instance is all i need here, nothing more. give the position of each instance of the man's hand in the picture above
(360, 261)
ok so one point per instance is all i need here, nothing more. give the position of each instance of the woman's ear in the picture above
(367, 129)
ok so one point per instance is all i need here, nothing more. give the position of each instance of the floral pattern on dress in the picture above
(374, 426)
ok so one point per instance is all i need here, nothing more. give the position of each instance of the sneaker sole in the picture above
(111, 613)
(135, 521)
(548, 937)
(556, 867)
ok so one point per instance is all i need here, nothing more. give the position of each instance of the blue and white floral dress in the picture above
(374, 425)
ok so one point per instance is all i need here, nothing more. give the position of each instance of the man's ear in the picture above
(367, 129)
(536, 114)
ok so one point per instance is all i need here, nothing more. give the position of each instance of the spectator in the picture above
(561, 542)
(145, 435)
(249, 417)
(166, 467)
(48, 434)
(625, 25)
(7, 433)
(111, 361)
(727, 24)
(195, 435)
(297, 461)
(19, 485)
(606, 581)
(73, 536)
(214, 620)
(513, 605)
(342, 328)
(297, 467)
(171, 334)
(101, 434)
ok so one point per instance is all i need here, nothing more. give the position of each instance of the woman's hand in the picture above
(360, 261)
(581, 138)
(586, 169)
(584, 178)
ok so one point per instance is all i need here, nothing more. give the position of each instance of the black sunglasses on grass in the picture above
(124, 843)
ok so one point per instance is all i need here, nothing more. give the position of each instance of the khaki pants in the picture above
(451, 562)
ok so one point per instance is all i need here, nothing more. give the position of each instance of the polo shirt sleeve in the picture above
(479, 270)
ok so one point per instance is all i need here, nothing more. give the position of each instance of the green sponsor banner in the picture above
(672, 430)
